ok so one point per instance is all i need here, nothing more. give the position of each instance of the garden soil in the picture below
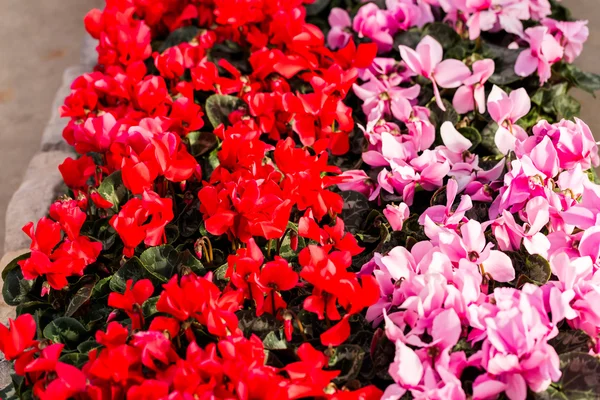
(40, 39)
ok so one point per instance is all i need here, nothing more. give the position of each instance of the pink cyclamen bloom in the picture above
(408, 14)
(506, 110)
(494, 15)
(377, 25)
(396, 215)
(341, 26)
(381, 99)
(587, 213)
(471, 247)
(544, 50)
(444, 215)
(426, 60)
(472, 92)
(515, 352)
(571, 35)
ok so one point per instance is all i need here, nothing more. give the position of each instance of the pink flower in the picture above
(396, 215)
(515, 352)
(340, 32)
(473, 91)
(426, 60)
(506, 110)
(408, 14)
(586, 214)
(358, 181)
(377, 25)
(470, 247)
(544, 50)
(444, 215)
(494, 15)
(570, 35)
(382, 99)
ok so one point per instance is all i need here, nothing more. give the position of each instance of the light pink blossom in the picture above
(544, 50)
(340, 32)
(472, 93)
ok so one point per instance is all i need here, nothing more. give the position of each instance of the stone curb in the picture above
(43, 182)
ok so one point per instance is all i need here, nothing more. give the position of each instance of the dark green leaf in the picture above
(218, 107)
(487, 138)
(443, 33)
(87, 346)
(560, 12)
(178, 36)
(587, 81)
(566, 106)
(316, 7)
(160, 261)
(113, 190)
(132, 269)
(191, 262)
(101, 288)
(504, 59)
(275, 340)
(16, 288)
(473, 135)
(568, 341)
(67, 331)
(537, 269)
(410, 38)
(250, 324)
(201, 142)
(74, 359)
(355, 211)
(580, 378)
(149, 306)
(14, 264)
(9, 392)
(79, 299)
(348, 359)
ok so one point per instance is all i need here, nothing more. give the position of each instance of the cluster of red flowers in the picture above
(133, 117)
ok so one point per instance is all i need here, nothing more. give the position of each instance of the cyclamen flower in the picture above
(472, 93)
(426, 60)
(570, 35)
(376, 24)
(506, 110)
(396, 215)
(512, 364)
(341, 25)
(544, 50)
(493, 15)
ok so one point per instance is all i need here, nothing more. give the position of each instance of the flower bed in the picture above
(335, 199)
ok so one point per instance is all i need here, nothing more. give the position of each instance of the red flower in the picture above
(329, 235)
(131, 301)
(276, 276)
(18, 337)
(143, 220)
(70, 217)
(46, 236)
(76, 173)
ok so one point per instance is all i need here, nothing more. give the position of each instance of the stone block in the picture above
(89, 56)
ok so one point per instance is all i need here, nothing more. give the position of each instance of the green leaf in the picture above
(9, 392)
(149, 306)
(275, 340)
(132, 269)
(74, 359)
(87, 346)
(504, 59)
(188, 260)
(537, 269)
(443, 33)
(566, 107)
(67, 331)
(218, 107)
(487, 138)
(410, 38)
(160, 261)
(113, 190)
(355, 211)
(473, 135)
(568, 341)
(348, 359)
(587, 81)
(102, 288)
(201, 142)
(16, 288)
(316, 7)
(14, 264)
(261, 326)
(82, 296)
(544, 97)
(178, 36)
(580, 378)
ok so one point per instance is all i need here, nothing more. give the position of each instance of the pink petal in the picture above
(472, 235)
(504, 140)
(447, 328)
(521, 104)
(499, 266)
(430, 52)
(438, 97)
(339, 18)
(451, 73)
(463, 100)
(526, 63)
(479, 95)
(499, 105)
(452, 138)
(407, 368)
(516, 387)
(412, 60)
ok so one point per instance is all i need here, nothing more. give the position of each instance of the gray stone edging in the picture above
(42, 183)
